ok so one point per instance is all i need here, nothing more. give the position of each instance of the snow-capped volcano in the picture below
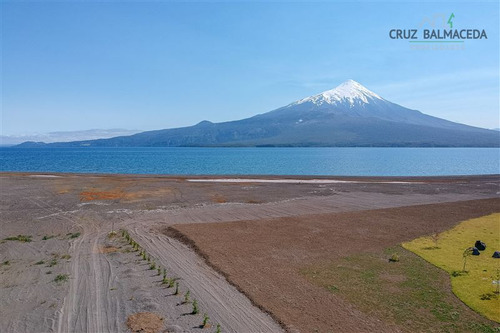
(352, 102)
(348, 115)
(350, 92)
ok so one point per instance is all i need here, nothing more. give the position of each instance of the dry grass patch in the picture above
(20, 238)
(145, 322)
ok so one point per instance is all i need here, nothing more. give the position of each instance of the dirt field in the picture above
(264, 257)
(71, 277)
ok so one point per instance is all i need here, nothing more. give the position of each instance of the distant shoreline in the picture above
(259, 178)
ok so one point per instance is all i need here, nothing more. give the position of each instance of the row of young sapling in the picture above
(169, 282)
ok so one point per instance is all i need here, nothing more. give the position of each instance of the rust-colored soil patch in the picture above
(218, 198)
(145, 322)
(101, 195)
(121, 194)
(263, 258)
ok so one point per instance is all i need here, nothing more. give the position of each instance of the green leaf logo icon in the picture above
(449, 20)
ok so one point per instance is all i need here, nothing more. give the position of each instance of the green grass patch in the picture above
(52, 262)
(475, 286)
(410, 293)
(20, 238)
(61, 278)
(74, 235)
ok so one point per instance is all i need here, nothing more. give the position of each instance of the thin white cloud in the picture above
(65, 136)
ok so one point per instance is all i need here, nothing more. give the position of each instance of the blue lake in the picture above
(255, 161)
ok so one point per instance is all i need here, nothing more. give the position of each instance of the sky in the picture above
(69, 66)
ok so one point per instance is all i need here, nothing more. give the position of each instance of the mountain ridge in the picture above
(348, 115)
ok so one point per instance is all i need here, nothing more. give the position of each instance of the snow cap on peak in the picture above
(351, 84)
(350, 81)
(349, 91)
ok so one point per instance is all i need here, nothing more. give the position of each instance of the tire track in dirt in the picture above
(223, 303)
(74, 313)
(342, 202)
(88, 306)
(86, 302)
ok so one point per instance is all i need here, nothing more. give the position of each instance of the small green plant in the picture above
(66, 256)
(52, 262)
(217, 330)
(20, 238)
(152, 266)
(394, 257)
(74, 235)
(468, 252)
(149, 258)
(41, 262)
(454, 315)
(46, 237)
(164, 273)
(205, 321)
(458, 273)
(159, 271)
(48, 272)
(488, 296)
(186, 297)
(61, 278)
(332, 288)
(6, 263)
(171, 283)
(176, 288)
(143, 255)
(195, 307)
(164, 280)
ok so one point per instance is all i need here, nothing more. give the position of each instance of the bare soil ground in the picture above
(264, 258)
(145, 322)
(69, 217)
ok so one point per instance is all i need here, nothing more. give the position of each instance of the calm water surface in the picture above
(252, 161)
